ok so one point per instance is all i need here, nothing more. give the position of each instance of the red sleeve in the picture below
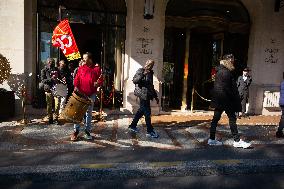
(77, 80)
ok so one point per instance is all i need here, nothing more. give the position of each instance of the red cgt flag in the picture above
(63, 38)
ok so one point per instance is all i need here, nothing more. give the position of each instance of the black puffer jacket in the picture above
(225, 94)
(65, 73)
(145, 82)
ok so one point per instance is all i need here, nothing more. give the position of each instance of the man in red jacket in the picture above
(87, 80)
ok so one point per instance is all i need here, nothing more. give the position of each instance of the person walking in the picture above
(88, 78)
(144, 90)
(225, 97)
(49, 75)
(243, 84)
(279, 133)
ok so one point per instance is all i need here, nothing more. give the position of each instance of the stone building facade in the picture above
(145, 38)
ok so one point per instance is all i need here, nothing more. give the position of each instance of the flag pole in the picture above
(59, 18)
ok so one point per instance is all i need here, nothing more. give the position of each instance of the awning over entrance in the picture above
(232, 10)
(115, 6)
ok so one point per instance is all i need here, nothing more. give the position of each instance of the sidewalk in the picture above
(176, 132)
(46, 150)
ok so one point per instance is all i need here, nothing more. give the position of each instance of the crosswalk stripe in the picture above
(123, 136)
(186, 139)
(164, 141)
(172, 137)
(199, 135)
(134, 138)
(100, 126)
(114, 129)
(114, 133)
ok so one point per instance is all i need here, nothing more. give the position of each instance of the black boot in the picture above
(50, 120)
(56, 122)
(279, 134)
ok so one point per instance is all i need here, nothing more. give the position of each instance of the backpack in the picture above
(139, 91)
(137, 78)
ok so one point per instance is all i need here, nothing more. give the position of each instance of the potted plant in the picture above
(7, 98)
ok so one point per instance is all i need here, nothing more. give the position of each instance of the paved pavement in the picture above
(176, 132)
(40, 152)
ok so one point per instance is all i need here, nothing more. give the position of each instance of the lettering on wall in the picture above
(144, 45)
(271, 54)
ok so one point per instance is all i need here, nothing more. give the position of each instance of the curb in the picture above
(83, 172)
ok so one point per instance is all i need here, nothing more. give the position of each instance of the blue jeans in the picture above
(144, 109)
(88, 117)
(281, 123)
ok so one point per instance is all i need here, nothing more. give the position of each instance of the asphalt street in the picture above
(255, 181)
(39, 155)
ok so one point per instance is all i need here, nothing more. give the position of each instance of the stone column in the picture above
(30, 19)
(118, 60)
(265, 55)
(144, 40)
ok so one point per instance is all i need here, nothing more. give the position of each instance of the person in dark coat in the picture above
(66, 79)
(225, 97)
(71, 69)
(243, 84)
(144, 90)
(49, 75)
(279, 133)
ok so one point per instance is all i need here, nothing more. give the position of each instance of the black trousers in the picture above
(281, 123)
(244, 99)
(232, 122)
(144, 109)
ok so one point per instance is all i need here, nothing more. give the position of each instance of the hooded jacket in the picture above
(225, 94)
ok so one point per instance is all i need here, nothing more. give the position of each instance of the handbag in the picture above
(140, 92)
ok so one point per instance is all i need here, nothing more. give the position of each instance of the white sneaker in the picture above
(241, 144)
(214, 142)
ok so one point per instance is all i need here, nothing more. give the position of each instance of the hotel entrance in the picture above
(198, 33)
